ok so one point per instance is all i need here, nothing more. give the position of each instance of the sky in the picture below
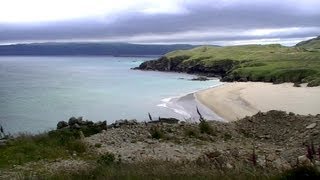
(221, 22)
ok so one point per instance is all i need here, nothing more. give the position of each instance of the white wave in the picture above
(162, 105)
(167, 99)
(182, 112)
(171, 102)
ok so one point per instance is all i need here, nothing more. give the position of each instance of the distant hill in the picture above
(113, 49)
(267, 63)
(311, 44)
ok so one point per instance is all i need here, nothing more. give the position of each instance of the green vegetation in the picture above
(192, 133)
(157, 133)
(205, 127)
(52, 145)
(300, 173)
(311, 45)
(267, 63)
(154, 169)
(106, 159)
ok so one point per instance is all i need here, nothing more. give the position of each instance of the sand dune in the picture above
(233, 101)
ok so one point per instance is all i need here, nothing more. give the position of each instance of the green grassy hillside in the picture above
(311, 45)
(268, 63)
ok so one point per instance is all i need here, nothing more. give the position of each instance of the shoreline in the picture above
(233, 101)
(185, 105)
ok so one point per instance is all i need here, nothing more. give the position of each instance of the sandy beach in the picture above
(233, 101)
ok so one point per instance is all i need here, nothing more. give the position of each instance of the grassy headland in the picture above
(266, 63)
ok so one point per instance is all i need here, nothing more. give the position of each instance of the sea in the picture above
(36, 92)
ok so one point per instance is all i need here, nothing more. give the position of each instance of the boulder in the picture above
(200, 78)
(132, 122)
(296, 84)
(281, 164)
(243, 79)
(101, 125)
(122, 122)
(73, 121)
(304, 161)
(76, 126)
(62, 124)
(311, 126)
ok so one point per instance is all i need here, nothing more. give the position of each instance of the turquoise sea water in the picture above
(37, 92)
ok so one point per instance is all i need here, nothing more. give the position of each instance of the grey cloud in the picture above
(235, 19)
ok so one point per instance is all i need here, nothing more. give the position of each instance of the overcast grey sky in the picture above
(223, 22)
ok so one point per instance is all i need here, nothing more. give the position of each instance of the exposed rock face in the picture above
(177, 64)
(230, 70)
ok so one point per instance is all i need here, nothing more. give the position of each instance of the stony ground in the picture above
(272, 140)
(277, 138)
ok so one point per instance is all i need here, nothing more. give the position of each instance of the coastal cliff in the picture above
(264, 63)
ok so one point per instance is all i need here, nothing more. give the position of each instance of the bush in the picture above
(189, 132)
(106, 159)
(205, 127)
(156, 133)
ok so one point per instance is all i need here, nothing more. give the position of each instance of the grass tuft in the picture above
(52, 145)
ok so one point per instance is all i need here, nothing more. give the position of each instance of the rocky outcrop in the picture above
(165, 120)
(87, 127)
(200, 78)
(219, 68)
(123, 122)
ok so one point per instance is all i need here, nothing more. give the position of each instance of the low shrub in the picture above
(189, 132)
(227, 136)
(156, 133)
(205, 127)
(106, 159)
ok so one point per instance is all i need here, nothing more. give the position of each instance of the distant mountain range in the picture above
(112, 49)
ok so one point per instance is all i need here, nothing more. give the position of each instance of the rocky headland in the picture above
(258, 63)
